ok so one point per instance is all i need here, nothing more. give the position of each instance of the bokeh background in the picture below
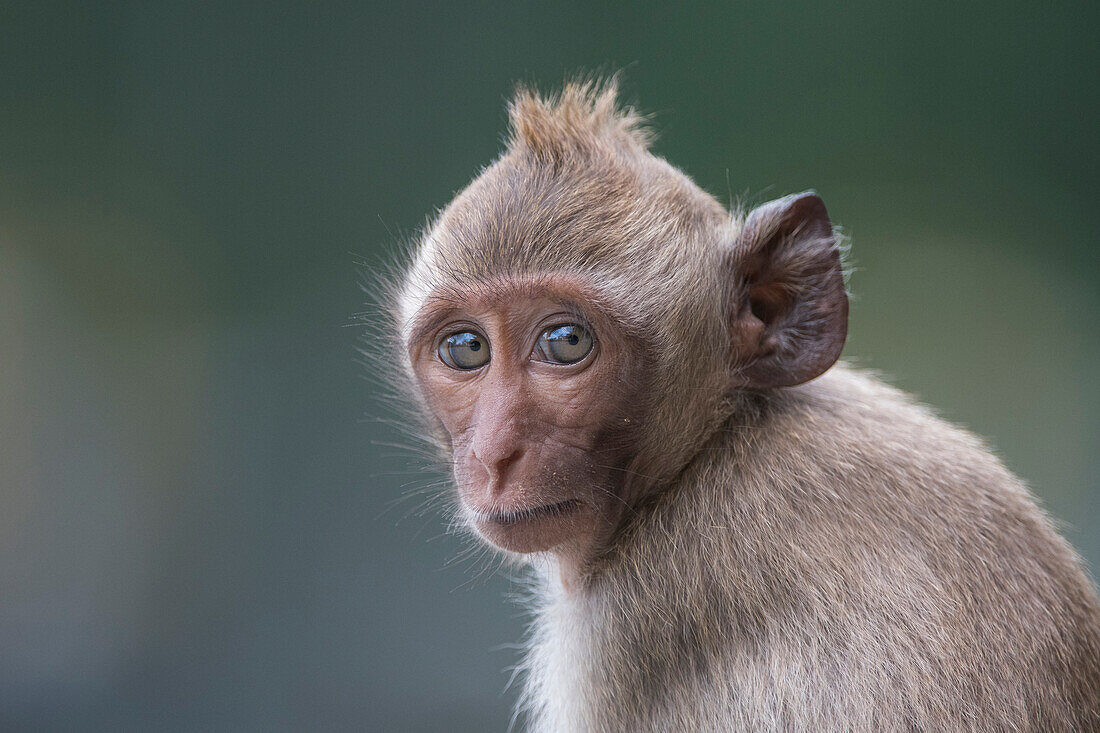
(196, 531)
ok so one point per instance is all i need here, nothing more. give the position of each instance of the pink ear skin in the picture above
(791, 316)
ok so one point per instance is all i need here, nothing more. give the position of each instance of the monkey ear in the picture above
(791, 318)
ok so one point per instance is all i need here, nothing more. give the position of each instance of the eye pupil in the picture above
(564, 344)
(464, 351)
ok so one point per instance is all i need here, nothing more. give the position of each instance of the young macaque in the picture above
(638, 392)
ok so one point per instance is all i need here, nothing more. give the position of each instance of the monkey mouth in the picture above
(530, 514)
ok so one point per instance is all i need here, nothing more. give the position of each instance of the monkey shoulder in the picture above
(851, 429)
(849, 458)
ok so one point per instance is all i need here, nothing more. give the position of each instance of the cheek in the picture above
(596, 414)
(452, 406)
(580, 402)
(579, 442)
(580, 410)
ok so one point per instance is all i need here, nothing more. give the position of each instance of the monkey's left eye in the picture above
(467, 350)
(564, 344)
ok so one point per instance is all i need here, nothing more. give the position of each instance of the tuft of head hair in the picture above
(585, 118)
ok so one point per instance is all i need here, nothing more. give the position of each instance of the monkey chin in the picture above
(541, 528)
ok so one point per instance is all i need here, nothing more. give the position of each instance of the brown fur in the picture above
(828, 556)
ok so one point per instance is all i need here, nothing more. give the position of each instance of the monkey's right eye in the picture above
(466, 350)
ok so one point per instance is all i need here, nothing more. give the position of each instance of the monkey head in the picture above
(579, 319)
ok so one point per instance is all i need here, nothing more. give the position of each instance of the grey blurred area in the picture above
(202, 522)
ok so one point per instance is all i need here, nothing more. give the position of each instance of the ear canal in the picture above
(791, 319)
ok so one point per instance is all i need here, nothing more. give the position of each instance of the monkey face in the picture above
(531, 388)
(579, 315)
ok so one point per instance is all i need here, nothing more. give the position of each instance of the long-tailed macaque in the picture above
(638, 394)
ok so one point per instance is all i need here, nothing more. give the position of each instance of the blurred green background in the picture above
(194, 533)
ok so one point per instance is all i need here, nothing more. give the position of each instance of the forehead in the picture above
(501, 291)
(527, 216)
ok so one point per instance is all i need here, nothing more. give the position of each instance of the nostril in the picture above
(496, 466)
(505, 463)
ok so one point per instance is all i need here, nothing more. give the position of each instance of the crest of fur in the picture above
(584, 117)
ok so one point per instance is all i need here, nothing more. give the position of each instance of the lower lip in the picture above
(536, 529)
(528, 516)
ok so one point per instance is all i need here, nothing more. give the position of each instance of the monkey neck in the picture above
(654, 609)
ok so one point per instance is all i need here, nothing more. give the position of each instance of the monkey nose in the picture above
(496, 465)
